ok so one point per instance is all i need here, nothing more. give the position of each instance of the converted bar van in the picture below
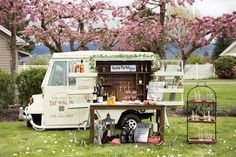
(67, 92)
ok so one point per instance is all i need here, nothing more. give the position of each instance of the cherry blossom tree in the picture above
(54, 23)
(107, 39)
(187, 35)
(141, 30)
(142, 26)
(13, 13)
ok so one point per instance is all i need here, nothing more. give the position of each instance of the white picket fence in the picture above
(191, 71)
(24, 67)
(199, 71)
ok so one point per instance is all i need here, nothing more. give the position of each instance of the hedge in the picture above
(29, 83)
(224, 67)
(6, 89)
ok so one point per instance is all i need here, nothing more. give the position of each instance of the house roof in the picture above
(230, 51)
(19, 41)
(24, 54)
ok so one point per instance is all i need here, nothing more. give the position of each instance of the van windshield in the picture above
(58, 75)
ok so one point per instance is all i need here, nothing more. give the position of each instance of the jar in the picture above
(100, 99)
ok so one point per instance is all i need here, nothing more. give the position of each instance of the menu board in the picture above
(155, 91)
(141, 132)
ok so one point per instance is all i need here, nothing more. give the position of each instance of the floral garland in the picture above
(155, 65)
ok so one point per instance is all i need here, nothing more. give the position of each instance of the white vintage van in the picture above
(67, 95)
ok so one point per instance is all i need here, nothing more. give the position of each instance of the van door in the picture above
(56, 99)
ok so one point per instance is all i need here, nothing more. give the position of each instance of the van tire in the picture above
(133, 119)
(29, 125)
(36, 119)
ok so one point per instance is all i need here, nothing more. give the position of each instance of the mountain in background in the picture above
(43, 50)
(200, 51)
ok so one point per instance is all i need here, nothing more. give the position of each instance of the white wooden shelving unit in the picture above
(170, 70)
(83, 88)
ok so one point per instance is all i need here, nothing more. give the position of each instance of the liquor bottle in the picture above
(146, 68)
(100, 95)
(105, 97)
(141, 69)
(95, 95)
(81, 67)
(102, 91)
(76, 67)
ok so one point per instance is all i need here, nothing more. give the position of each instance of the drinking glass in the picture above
(113, 99)
(109, 100)
(127, 95)
(133, 94)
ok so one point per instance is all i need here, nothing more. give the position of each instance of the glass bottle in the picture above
(81, 67)
(76, 67)
(95, 95)
(141, 69)
(146, 68)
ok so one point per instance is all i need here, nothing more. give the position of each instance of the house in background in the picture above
(5, 51)
(230, 51)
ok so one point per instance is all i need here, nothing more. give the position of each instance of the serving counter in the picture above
(159, 113)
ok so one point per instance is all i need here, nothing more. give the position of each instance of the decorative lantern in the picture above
(109, 125)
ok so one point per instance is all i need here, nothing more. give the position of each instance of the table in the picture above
(159, 110)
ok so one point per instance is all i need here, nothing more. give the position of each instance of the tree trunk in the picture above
(13, 49)
(162, 34)
(184, 61)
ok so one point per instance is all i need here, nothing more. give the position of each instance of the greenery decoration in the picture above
(155, 59)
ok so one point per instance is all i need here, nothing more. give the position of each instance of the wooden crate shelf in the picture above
(118, 82)
(201, 102)
(201, 120)
(201, 141)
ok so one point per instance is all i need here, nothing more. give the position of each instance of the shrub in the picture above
(225, 74)
(39, 60)
(29, 83)
(234, 71)
(193, 59)
(224, 66)
(6, 89)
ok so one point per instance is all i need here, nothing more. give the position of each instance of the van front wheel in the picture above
(29, 125)
(36, 119)
(132, 120)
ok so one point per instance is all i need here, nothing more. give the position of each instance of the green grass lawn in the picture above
(226, 94)
(18, 140)
(212, 80)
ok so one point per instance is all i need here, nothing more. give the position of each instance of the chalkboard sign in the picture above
(123, 68)
(141, 132)
(155, 91)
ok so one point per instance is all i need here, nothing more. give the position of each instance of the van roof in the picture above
(87, 54)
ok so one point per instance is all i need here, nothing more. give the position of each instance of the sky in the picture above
(214, 7)
(205, 7)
